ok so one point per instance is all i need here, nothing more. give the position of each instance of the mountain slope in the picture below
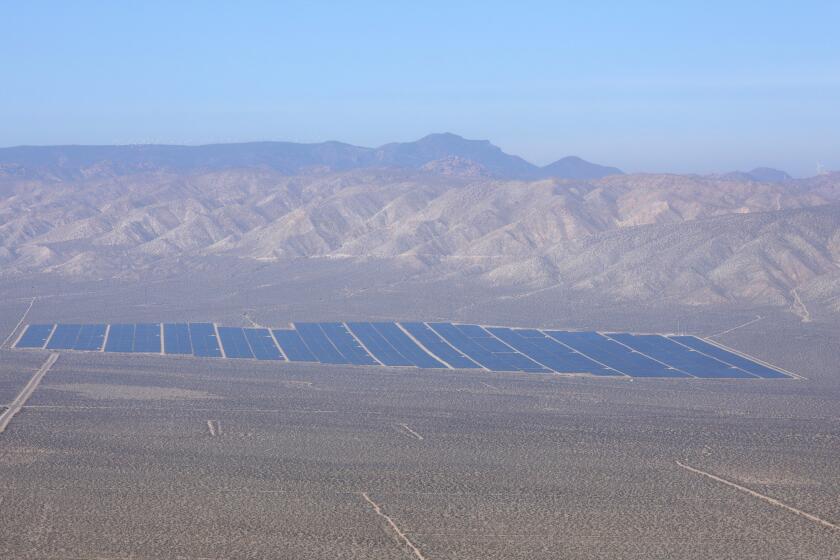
(624, 237)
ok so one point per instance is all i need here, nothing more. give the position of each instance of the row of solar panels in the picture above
(422, 345)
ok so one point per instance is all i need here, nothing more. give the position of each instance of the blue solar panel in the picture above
(204, 341)
(472, 331)
(147, 338)
(407, 347)
(476, 347)
(91, 338)
(262, 344)
(530, 333)
(293, 346)
(549, 352)
(730, 358)
(462, 342)
(440, 348)
(120, 338)
(516, 360)
(679, 356)
(347, 345)
(234, 343)
(35, 336)
(319, 344)
(176, 338)
(377, 345)
(520, 362)
(614, 355)
(64, 337)
(484, 338)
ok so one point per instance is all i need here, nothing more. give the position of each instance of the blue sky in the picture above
(647, 86)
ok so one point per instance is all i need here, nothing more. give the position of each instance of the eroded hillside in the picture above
(698, 240)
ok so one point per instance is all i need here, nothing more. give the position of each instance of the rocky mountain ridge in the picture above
(697, 240)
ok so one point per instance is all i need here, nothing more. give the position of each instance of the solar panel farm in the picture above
(434, 345)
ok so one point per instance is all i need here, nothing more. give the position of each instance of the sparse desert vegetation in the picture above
(131, 456)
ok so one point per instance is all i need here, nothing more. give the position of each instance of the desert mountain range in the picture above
(441, 207)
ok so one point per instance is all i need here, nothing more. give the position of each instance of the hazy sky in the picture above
(647, 86)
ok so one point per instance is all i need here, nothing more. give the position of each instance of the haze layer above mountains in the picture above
(441, 209)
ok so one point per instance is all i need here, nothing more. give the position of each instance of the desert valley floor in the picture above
(130, 456)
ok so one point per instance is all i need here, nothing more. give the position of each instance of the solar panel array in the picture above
(420, 345)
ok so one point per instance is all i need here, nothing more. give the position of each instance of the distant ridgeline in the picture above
(446, 152)
(419, 345)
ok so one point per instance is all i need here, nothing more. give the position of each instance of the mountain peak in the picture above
(442, 135)
(760, 175)
(444, 145)
(769, 175)
(573, 167)
(445, 140)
